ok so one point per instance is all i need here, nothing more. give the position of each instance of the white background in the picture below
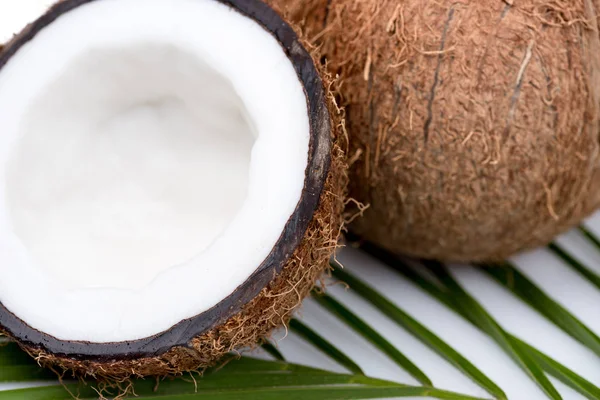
(565, 286)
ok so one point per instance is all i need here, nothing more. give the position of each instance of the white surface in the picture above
(106, 41)
(549, 272)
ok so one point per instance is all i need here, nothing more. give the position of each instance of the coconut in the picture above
(172, 182)
(473, 124)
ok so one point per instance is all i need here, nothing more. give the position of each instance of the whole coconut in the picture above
(474, 124)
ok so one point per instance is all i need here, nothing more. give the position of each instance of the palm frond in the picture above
(517, 283)
(549, 365)
(325, 346)
(562, 373)
(576, 265)
(589, 236)
(370, 334)
(418, 330)
(17, 366)
(273, 351)
(249, 379)
(476, 313)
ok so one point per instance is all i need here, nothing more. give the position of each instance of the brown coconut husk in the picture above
(309, 16)
(271, 309)
(474, 124)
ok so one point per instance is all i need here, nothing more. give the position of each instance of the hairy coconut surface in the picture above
(268, 298)
(473, 124)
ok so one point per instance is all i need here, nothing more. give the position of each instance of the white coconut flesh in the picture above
(151, 153)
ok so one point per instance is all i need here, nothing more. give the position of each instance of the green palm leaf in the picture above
(17, 366)
(444, 296)
(552, 367)
(291, 393)
(418, 331)
(477, 313)
(273, 351)
(590, 236)
(562, 373)
(584, 271)
(251, 379)
(509, 277)
(370, 334)
(325, 346)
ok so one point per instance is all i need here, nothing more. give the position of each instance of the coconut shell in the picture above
(473, 124)
(250, 322)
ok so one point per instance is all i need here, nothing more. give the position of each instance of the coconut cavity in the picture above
(474, 125)
(171, 184)
(133, 160)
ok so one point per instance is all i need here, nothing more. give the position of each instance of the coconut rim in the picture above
(319, 159)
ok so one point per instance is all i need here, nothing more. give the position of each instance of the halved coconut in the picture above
(171, 182)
